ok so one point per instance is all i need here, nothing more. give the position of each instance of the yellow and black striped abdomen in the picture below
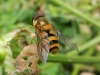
(53, 43)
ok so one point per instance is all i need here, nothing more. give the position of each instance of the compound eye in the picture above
(36, 16)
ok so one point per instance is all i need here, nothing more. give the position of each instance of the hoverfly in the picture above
(47, 37)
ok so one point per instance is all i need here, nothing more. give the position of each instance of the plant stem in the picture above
(66, 6)
(76, 69)
(60, 58)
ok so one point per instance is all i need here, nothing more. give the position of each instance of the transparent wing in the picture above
(65, 40)
(42, 45)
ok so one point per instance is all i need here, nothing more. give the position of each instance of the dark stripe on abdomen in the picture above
(49, 34)
(55, 47)
(53, 42)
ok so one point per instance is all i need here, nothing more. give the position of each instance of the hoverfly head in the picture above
(39, 19)
(36, 16)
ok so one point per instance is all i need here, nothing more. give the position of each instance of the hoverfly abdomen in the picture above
(53, 43)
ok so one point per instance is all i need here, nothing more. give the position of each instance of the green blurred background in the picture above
(79, 20)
